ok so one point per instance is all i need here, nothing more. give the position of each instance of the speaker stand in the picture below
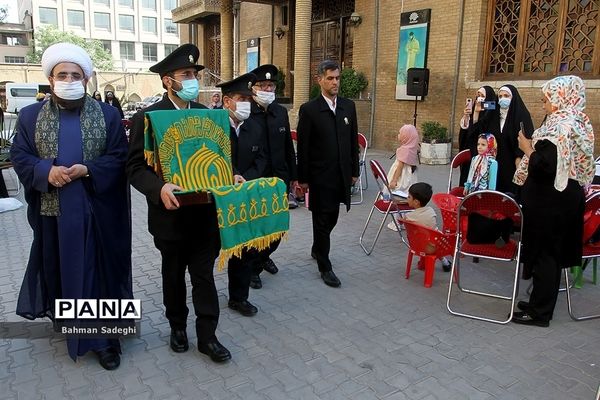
(415, 114)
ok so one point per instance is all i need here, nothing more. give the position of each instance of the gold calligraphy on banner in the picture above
(203, 168)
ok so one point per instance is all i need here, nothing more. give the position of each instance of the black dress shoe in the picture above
(109, 358)
(179, 341)
(270, 267)
(523, 305)
(215, 350)
(525, 319)
(330, 279)
(255, 282)
(243, 307)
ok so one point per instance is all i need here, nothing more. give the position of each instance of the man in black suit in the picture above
(327, 160)
(275, 124)
(249, 159)
(186, 236)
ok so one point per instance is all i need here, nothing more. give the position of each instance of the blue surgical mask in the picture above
(504, 102)
(189, 89)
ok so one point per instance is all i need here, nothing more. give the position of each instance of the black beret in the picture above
(267, 72)
(240, 85)
(185, 56)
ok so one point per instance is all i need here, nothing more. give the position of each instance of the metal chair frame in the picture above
(592, 203)
(362, 169)
(387, 207)
(493, 202)
(458, 160)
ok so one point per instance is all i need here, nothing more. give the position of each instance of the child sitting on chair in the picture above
(484, 167)
(419, 195)
(402, 173)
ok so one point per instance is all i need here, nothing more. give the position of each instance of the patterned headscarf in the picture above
(569, 129)
(479, 172)
(408, 139)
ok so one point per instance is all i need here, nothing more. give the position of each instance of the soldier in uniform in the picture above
(187, 237)
(249, 159)
(275, 124)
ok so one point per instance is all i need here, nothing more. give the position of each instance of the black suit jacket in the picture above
(328, 151)
(275, 123)
(162, 223)
(248, 150)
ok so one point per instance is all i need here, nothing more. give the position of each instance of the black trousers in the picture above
(239, 271)
(546, 282)
(199, 260)
(323, 223)
(263, 256)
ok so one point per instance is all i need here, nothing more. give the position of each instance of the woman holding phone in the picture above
(512, 115)
(480, 116)
(558, 162)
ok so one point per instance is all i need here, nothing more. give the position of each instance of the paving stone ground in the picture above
(379, 336)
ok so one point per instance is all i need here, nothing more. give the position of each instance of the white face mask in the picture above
(242, 110)
(480, 99)
(69, 90)
(264, 98)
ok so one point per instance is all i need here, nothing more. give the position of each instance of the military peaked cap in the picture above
(267, 72)
(185, 56)
(240, 85)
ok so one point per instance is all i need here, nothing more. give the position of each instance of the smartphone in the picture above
(489, 105)
(469, 102)
(522, 127)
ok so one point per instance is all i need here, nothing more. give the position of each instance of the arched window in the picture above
(541, 38)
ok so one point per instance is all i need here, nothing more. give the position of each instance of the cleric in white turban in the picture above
(66, 52)
(70, 152)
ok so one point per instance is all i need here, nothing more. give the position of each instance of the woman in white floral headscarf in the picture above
(558, 162)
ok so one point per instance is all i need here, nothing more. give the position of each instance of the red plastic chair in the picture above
(384, 205)
(590, 250)
(430, 245)
(448, 205)
(359, 187)
(464, 157)
(495, 205)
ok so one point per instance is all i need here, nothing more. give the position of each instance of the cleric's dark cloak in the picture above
(86, 251)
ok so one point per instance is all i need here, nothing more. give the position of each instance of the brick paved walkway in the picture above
(379, 336)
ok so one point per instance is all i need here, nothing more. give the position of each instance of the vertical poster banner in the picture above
(412, 47)
(252, 54)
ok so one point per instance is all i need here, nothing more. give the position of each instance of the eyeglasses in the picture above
(265, 85)
(188, 75)
(62, 76)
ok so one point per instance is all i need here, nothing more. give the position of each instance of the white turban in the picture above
(66, 52)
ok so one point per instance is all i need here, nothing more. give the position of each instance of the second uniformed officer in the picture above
(275, 125)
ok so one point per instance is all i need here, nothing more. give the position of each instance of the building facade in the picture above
(137, 33)
(468, 44)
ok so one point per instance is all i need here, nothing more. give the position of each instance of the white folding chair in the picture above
(384, 205)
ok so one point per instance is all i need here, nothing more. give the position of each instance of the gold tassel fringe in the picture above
(259, 244)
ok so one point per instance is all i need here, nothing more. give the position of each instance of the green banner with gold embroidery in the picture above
(251, 215)
(190, 148)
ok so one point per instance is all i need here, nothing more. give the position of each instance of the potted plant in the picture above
(435, 143)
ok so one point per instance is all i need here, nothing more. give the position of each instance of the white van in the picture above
(19, 95)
